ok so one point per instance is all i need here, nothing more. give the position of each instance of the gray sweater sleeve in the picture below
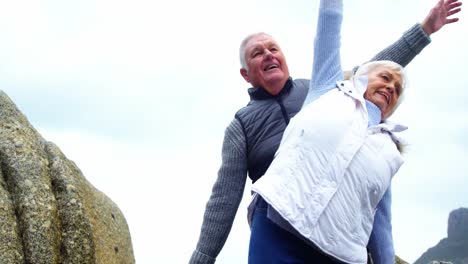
(225, 197)
(406, 48)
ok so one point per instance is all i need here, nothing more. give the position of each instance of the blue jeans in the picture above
(271, 244)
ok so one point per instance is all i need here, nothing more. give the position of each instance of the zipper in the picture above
(283, 110)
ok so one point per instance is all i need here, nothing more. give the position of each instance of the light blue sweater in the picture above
(326, 71)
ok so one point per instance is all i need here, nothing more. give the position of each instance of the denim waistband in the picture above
(261, 203)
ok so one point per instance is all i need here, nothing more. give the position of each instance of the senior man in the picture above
(252, 138)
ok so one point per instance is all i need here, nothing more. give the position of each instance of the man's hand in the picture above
(439, 15)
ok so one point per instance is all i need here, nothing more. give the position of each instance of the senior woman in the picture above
(335, 161)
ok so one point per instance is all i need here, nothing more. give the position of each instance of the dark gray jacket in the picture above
(264, 120)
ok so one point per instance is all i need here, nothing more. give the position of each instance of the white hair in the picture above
(244, 43)
(368, 67)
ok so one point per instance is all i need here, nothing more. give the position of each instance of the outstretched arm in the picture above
(225, 198)
(326, 68)
(417, 38)
(439, 15)
(327, 42)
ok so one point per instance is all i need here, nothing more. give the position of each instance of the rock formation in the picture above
(398, 260)
(49, 212)
(454, 247)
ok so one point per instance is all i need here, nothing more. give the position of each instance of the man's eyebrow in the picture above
(254, 49)
(272, 43)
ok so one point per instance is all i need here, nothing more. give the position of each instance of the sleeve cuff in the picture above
(200, 258)
(332, 4)
(417, 38)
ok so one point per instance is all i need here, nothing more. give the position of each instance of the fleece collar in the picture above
(259, 93)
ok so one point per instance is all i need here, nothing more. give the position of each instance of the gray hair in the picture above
(368, 67)
(244, 43)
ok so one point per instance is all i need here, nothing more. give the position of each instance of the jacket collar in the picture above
(357, 91)
(354, 88)
(259, 93)
(374, 113)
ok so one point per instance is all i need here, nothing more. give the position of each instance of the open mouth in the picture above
(271, 67)
(387, 98)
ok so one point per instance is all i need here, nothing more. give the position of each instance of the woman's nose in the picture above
(390, 88)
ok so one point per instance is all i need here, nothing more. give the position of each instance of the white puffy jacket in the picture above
(331, 171)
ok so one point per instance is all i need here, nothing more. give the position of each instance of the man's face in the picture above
(383, 89)
(266, 64)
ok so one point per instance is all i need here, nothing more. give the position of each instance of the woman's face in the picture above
(383, 89)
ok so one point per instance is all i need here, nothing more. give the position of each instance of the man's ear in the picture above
(244, 74)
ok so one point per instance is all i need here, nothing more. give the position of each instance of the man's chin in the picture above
(276, 78)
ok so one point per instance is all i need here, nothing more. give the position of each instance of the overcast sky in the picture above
(138, 93)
